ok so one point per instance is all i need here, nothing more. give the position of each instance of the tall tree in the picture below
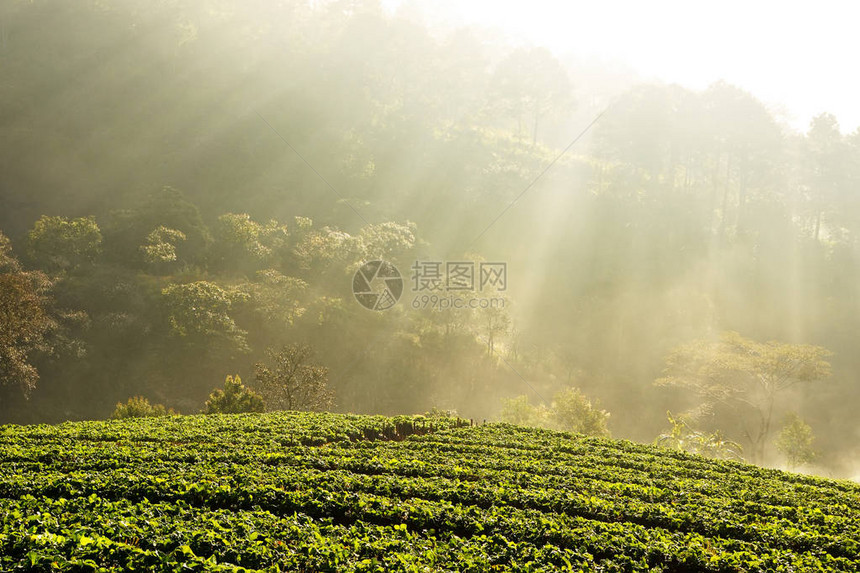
(744, 149)
(200, 312)
(292, 382)
(741, 379)
(530, 86)
(60, 244)
(25, 321)
(826, 178)
(127, 230)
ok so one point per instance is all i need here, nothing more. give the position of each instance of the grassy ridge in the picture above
(310, 492)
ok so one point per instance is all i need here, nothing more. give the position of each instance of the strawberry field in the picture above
(326, 492)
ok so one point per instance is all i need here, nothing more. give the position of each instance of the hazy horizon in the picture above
(796, 60)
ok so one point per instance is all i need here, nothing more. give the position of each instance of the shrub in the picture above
(518, 411)
(682, 436)
(234, 399)
(139, 407)
(570, 411)
(436, 413)
(795, 441)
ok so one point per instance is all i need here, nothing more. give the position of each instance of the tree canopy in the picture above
(743, 378)
(25, 320)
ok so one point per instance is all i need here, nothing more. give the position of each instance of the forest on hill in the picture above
(185, 186)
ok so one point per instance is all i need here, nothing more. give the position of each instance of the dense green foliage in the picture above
(139, 407)
(234, 398)
(324, 492)
(796, 441)
(569, 411)
(57, 244)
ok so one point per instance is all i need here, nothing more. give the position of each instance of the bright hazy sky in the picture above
(799, 57)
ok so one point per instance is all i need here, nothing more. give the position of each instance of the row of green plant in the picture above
(317, 491)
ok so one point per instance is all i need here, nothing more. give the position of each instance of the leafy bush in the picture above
(436, 413)
(139, 407)
(795, 441)
(684, 437)
(570, 411)
(518, 411)
(234, 399)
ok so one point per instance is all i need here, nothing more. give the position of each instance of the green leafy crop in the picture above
(299, 491)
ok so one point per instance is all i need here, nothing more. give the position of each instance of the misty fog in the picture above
(185, 185)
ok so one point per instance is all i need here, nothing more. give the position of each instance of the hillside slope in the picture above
(325, 492)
